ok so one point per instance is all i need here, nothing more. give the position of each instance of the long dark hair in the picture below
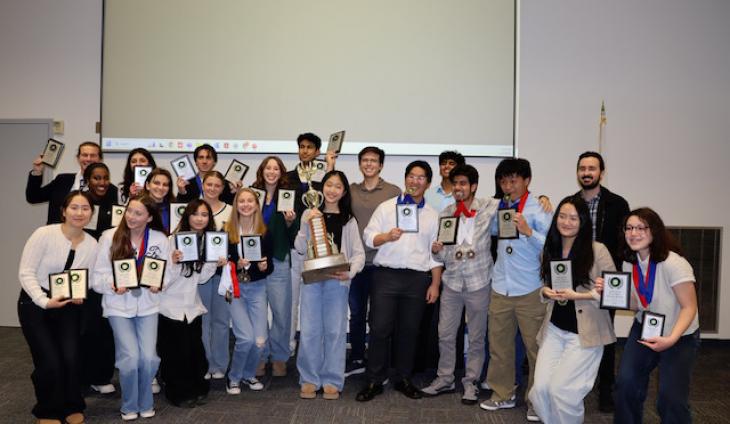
(261, 183)
(189, 267)
(345, 202)
(70, 196)
(169, 198)
(662, 242)
(582, 251)
(122, 243)
(129, 172)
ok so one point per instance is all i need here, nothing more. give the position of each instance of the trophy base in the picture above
(319, 269)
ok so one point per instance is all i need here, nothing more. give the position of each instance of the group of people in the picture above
(498, 287)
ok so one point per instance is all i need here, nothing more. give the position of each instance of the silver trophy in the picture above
(323, 256)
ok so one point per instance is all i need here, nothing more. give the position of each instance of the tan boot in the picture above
(278, 369)
(75, 418)
(261, 369)
(330, 392)
(308, 391)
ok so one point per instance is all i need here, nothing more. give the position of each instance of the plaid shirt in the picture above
(475, 273)
(593, 209)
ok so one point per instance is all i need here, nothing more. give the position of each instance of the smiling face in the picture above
(138, 159)
(88, 155)
(417, 182)
(78, 212)
(212, 187)
(333, 190)
(370, 165)
(99, 182)
(638, 235)
(568, 221)
(272, 172)
(136, 215)
(589, 173)
(158, 187)
(462, 190)
(514, 185)
(199, 219)
(445, 167)
(246, 204)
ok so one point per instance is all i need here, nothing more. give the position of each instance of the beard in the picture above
(591, 185)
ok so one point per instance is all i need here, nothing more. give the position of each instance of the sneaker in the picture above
(103, 389)
(532, 415)
(493, 405)
(354, 367)
(485, 385)
(155, 386)
(147, 414)
(438, 386)
(254, 384)
(130, 416)
(233, 387)
(471, 394)
(208, 376)
(218, 375)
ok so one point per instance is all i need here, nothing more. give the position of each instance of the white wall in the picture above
(661, 66)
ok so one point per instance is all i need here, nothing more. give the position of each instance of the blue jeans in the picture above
(215, 325)
(358, 300)
(323, 334)
(278, 294)
(136, 359)
(249, 317)
(675, 369)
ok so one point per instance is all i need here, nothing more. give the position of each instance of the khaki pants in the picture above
(506, 313)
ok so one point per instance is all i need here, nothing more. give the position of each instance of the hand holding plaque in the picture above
(59, 284)
(216, 245)
(616, 292)
(652, 325)
(507, 226)
(406, 217)
(336, 140)
(561, 275)
(448, 230)
(183, 167)
(125, 274)
(141, 173)
(187, 243)
(251, 248)
(52, 152)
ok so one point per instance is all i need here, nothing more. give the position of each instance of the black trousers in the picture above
(97, 343)
(182, 359)
(398, 298)
(53, 339)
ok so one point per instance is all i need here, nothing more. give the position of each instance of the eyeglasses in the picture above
(639, 229)
(419, 178)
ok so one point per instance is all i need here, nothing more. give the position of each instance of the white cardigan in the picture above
(180, 298)
(351, 246)
(45, 253)
(102, 279)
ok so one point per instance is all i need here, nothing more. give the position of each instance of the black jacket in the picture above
(612, 209)
(53, 193)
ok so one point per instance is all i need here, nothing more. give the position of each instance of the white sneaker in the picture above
(254, 384)
(233, 387)
(493, 405)
(130, 416)
(103, 389)
(218, 375)
(208, 376)
(147, 414)
(155, 388)
(532, 415)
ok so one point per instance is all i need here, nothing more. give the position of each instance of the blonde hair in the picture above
(232, 225)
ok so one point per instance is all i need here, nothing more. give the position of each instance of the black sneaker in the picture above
(354, 367)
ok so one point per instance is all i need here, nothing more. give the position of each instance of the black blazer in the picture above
(193, 192)
(104, 217)
(612, 209)
(53, 193)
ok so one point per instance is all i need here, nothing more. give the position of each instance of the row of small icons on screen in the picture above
(178, 144)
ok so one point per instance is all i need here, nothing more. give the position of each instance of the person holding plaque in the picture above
(664, 284)
(402, 284)
(128, 188)
(51, 325)
(575, 329)
(216, 323)
(55, 192)
(133, 312)
(323, 339)
(243, 283)
(205, 158)
(97, 340)
(466, 281)
(179, 341)
(159, 187)
(515, 300)
(271, 176)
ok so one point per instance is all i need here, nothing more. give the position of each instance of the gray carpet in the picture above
(279, 402)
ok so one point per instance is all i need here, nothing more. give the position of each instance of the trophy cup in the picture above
(323, 256)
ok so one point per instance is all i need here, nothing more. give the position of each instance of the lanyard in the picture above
(645, 288)
(408, 200)
(520, 205)
(461, 209)
(142, 250)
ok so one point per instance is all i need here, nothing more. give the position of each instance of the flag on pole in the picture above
(602, 128)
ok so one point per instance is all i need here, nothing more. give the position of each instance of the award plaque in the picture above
(52, 152)
(236, 171)
(285, 201)
(507, 226)
(448, 228)
(336, 139)
(176, 212)
(652, 325)
(59, 285)
(323, 256)
(187, 243)
(183, 167)
(616, 292)
(320, 168)
(117, 215)
(125, 273)
(406, 217)
(216, 245)
(141, 173)
(261, 194)
(561, 275)
(251, 248)
(153, 272)
(79, 282)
